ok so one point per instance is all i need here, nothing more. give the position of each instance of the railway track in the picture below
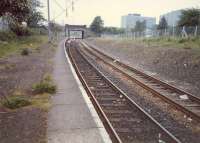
(181, 100)
(124, 119)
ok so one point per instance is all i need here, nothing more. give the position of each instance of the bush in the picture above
(182, 40)
(44, 87)
(19, 30)
(15, 102)
(25, 52)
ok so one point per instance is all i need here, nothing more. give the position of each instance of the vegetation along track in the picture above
(181, 100)
(125, 120)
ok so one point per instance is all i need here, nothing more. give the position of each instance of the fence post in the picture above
(165, 32)
(195, 33)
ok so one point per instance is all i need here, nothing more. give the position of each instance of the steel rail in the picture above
(146, 86)
(121, 92)
(113, 135)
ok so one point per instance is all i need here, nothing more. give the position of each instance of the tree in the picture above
(140, 26)
(162, 24)
(34, 19)
(97, 25)
(189, 17)
(35, 16)
(113, 30)
(18, 10)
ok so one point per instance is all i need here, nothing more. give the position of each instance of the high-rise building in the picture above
(172, 18)
(129, 21)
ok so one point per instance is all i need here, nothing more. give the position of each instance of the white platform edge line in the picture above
(90, 106)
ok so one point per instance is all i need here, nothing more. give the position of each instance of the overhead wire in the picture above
(71, 5)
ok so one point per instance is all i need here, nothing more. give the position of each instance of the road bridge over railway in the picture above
(75, 31)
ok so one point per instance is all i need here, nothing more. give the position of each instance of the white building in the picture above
(129, 21)
(172, 18)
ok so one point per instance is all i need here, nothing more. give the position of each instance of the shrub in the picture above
(25, 52)
(44, 87)
(169, 39)
(7, 35)
(19, 30)
(15, 102)
(182, 40)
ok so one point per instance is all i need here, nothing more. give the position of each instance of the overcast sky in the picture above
(112, 10)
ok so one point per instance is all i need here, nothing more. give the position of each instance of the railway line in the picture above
(124, 119)
(179, 99)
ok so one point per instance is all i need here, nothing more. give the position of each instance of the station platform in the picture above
(72, 117)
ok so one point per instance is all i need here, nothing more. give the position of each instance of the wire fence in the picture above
(182, 32)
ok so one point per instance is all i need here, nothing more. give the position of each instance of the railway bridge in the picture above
(75, 31)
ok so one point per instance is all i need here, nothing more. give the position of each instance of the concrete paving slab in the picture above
(84, 136)
(72, 118)
(75, 116)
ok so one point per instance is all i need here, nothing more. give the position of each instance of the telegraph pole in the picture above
(49, 30)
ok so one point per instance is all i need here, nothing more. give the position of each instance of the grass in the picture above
(19, 101)
(173, 42)
(187, 43)
(25, 52)
(15, 102)
(45, 86)
(41, 101)
(18, 44)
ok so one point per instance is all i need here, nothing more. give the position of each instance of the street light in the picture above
(49, 30)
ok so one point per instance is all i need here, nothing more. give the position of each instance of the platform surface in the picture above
(72, 118)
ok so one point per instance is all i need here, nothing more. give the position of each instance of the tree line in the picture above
(21, 14)
(189, 17)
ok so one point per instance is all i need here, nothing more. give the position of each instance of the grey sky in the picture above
(112, 10)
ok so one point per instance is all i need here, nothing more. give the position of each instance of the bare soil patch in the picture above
(17, 75)
(177, 66)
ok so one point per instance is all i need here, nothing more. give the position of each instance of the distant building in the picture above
(129, 21)
(172, 18)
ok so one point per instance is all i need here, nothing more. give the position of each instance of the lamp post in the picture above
(49, 30)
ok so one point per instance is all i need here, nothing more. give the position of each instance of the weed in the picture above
(25, 52)
(182, 40)
(14, 102)
(41, 101)
(45, 86)
(47, 78)
(18, 44)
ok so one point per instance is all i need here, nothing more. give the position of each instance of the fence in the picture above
(182, 32)
(3, 24)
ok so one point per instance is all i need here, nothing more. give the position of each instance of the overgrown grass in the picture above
(25, 52)
(17, 44)
(41, 101)
(14, 102)
(19, 101)
(45, 86)
(188, 43)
